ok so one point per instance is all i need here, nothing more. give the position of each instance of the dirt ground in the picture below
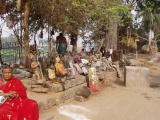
(117, 102)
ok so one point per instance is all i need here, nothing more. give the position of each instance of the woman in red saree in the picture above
(17, 105)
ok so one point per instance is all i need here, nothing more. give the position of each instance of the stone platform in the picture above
(51, 99)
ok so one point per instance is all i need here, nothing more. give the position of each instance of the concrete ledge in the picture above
(135, 76)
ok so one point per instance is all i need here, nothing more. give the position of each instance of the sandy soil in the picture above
(116, 102)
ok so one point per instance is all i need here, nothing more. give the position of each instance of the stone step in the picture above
(49, 100)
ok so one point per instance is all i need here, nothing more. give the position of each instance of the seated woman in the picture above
(83, 54)
(17, 105)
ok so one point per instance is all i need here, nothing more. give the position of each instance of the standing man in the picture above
(61, 44)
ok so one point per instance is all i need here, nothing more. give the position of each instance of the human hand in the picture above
(11, 94)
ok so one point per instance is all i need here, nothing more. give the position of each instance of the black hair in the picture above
(6, 66)
(61, 34)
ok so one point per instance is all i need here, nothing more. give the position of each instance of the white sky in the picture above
(6, 32)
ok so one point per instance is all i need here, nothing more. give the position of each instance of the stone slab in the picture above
(135, 76)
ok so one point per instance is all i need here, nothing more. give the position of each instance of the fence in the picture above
(10, 52)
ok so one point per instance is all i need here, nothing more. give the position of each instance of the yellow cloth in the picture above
(60, 71)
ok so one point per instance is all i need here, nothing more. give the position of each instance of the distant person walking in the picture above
(61, 44)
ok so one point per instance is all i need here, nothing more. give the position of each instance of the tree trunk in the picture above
(112, 41)
(150, 36)
(74, 42)
(21, 42)
(113, 28)
(49, 41)
(26, 33)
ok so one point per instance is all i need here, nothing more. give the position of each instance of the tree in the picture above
(150, 12)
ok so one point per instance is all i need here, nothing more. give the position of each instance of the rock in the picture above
(25, 73)
(70, 93)
(55, 87)
(46, 84)
(84, 92)
(67, 84)
(72, 68)
(100, 75)
(14, 65)
(40, 90)
(79, 98)
(15, 71)
(47, 116)
(50, 103)
(80, 80)
(19, 76)
(136, 76)
(41, 106)
(61, 98)
(78, 69)
(119, 73)
(110, 76)
(85, 71)
(30, 87)
(68, 77)
(41, 81)
(73, 82)
(30, 81)
(81, 65)
(63, 79)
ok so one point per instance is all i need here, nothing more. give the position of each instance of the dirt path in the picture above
(117, 102)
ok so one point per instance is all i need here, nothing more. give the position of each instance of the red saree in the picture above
(20, 108)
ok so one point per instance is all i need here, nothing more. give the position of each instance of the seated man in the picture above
(17, 105)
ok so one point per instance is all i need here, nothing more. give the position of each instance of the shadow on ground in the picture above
(154, 82)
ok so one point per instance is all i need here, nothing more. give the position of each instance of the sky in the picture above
(6, 32)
